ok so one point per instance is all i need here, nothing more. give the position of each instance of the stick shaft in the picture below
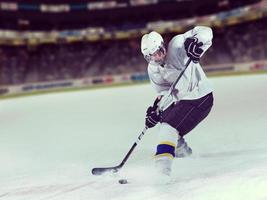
(99, 171)
(133, 146)
(166, 101)
(181, 74)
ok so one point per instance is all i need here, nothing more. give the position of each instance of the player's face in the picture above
(159, 55)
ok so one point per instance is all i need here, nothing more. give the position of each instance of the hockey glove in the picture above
(192, 48)
(153, 115)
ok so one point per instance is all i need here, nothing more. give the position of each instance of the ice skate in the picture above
(163, 169)
(182, 149)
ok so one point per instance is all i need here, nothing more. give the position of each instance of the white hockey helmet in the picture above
(150, 44)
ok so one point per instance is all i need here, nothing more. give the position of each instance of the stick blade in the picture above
(103, 170)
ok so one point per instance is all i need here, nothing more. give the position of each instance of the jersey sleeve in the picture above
(155, 77)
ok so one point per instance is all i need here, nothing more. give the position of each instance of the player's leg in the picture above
(182, 149)
(185, 116)
(167, 141)
(173, 116)
(201, 109)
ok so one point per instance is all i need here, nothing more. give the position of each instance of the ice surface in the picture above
(49, 144)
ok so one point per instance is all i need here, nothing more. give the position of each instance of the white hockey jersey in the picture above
(193, 83)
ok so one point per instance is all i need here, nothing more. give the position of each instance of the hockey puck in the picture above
(123, 181)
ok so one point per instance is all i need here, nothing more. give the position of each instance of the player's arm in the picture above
(156, 81)
(153, 114)
(197, 42)
(203, 34)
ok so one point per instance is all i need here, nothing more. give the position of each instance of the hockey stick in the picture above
(102, 170)
(115, 169)
(166, 100)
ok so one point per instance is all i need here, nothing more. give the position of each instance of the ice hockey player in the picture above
(191, 100)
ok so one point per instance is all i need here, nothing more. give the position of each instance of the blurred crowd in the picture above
(23, 64)
(239, 43)
(69, 61)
